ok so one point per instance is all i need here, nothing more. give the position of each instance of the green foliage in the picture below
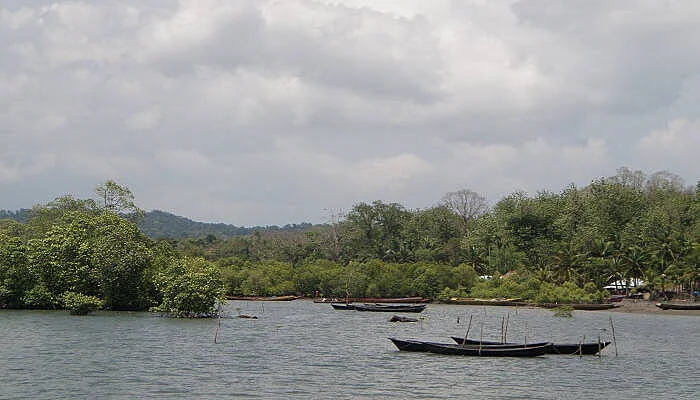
(41, 298)
(531, 288)
(448, 293)
(15, 276)
(190, 287)
(60, 258)
(80, 304)
(116, 199)
(567, 293)
(120, 257)
(564, 311)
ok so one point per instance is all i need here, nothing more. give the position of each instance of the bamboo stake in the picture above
(468, 328)
(503, 322)
(526, 333)
(580, 346)
(505, 335)
(613, 335)
(481, 335)
(218, 325)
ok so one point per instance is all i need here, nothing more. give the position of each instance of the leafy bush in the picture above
(80, 304)
(564, 311)
(40, 297)
(448, 293)
(533, 289)
(191, 287)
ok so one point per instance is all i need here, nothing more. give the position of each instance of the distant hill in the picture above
(22, 215)
(159, 224)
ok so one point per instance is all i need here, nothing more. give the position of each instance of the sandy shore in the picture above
(649, 307)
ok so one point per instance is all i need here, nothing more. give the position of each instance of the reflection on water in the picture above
(302, 350)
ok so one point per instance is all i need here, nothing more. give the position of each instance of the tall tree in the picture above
(120, 257)
(466, 203)
(116, 198)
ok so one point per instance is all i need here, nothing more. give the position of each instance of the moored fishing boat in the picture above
(679, 306)
(413, 308)
(588, 348)
(488, 302)
(581, 306)
(390, 300)
(264, 298)
(470, 350)
(343, 306)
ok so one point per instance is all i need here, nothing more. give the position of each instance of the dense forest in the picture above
(548, 247)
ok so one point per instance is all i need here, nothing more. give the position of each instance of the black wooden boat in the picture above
(343, 306)
(679, 306)
(409, 345)
(422, 346)
(589, 348)
(470, 350)
(413, 308)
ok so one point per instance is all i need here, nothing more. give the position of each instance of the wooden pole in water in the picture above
(468, 328)
(481, 335)
(503, 323)
(505, 335)
(218, 325)
(525, 332)
(580, 346)
(612, 326)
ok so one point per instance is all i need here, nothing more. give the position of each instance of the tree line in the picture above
(625, 227)
(549, 247)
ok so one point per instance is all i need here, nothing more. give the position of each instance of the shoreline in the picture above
(649, 307)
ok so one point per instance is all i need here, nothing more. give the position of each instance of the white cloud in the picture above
(673, 148)
(267, 112)
(392, 172)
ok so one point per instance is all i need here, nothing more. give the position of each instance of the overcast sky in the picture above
(276, 112)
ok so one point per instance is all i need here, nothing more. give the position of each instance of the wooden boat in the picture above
(588, 348)
(679, 306)
(582, 306)
(409, 345)
(594, 306)
(390, 300)
(413, 308)
(488, 351)
(469, 350)
(263, 298)
(422, 346)
(343, 306)
(488, 302)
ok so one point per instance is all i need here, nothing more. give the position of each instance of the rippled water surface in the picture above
(303, 350)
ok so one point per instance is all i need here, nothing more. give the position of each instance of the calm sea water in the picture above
(302, 350)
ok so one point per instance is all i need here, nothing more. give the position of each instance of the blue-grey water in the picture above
(306, 350)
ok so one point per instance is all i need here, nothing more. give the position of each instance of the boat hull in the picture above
(677, 306)
(391, 300)
(340, 306)
(469, 350)
(589, 348)
(261, 298)
(416, 308)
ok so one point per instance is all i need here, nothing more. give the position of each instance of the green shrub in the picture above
(80, 304)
